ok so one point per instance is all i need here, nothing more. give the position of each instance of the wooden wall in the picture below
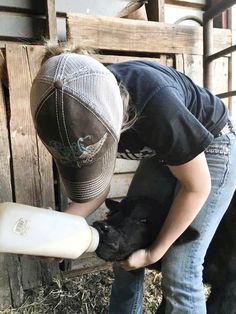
(26, 168)
(27, 174)
(26, 20)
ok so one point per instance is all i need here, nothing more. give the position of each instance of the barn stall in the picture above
(28, 175)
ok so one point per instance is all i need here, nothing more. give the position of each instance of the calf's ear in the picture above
(190, 234)
(112, 205)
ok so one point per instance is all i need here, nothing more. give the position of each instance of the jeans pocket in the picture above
(217, 155)
(231, 136)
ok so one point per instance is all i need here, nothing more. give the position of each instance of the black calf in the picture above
(134, 223)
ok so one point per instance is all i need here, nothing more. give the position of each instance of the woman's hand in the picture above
(140, 259)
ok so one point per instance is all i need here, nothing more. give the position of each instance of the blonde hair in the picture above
(55, 50)
(130, 114)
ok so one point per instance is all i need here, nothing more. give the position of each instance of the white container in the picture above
(36, 231)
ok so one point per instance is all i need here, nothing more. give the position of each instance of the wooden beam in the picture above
(109, 59)
(217, 9)
(51, 21)
(140, 36)
(221, 53)
(200, 4)
(156, 10)
(227, 94)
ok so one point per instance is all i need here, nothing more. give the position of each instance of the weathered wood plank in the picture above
(123, 165)
(193, 3)
(51, 21)
(108, 59)
(35, 55)
(131, 35)
(192, 66)
(85, 264)
(11, 292)
(119, 185)
(5, 196)
(13, 269)
(28, 175)
(5, 177)
(5, 291)
(220, 70)
(3, 69)
(156, 10)
(87, 260)
(45, 168)
(24, 147)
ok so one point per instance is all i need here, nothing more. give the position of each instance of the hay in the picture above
(86, 294)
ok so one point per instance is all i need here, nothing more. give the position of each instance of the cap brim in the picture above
(85, 183)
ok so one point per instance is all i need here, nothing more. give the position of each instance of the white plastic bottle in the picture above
(36, 231)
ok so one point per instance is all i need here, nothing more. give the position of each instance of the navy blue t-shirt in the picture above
(177, 119)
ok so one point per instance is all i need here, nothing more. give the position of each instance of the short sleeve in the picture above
(171, 129)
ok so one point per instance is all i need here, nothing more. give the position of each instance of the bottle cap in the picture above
(94, 240)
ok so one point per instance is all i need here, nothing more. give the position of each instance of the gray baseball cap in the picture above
(77, 111)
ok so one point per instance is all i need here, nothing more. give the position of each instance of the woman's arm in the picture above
(195, 186)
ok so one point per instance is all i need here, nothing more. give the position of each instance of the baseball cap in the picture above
(77, 111)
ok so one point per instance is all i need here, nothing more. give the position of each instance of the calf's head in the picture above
(132, 224)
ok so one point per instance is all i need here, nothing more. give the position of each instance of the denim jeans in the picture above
(182, 265)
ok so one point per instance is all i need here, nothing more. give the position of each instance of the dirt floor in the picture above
(86, 294)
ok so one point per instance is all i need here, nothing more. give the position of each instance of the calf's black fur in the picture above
(135, 222)
(132, 224)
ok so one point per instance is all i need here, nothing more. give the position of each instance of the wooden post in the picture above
(155, 10)
(51, 21)
(207, 51)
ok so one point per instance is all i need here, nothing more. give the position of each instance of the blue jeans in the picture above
(182, 265)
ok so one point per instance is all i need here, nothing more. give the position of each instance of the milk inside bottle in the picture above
(37, 231)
